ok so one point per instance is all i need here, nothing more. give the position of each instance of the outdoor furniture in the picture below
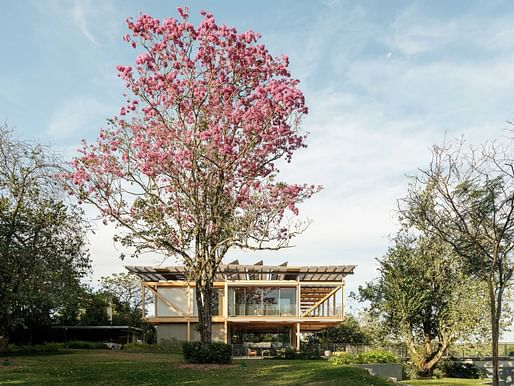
(250, 352)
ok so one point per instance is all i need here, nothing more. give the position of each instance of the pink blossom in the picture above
(209, 113)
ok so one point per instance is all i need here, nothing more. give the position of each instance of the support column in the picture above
(189, 301)
(225, 309)
(189, 331)
(154, 303)
(225, 300)
(342, 299)
(298, 296)
(143, 312)
(297, 336)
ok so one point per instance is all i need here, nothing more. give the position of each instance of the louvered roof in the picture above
(258, 271)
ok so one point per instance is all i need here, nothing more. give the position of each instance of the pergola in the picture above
(257, 271)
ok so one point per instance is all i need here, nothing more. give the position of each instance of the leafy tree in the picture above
(424, 298)
(125, 292)
(42, 240)
(126, 289)
(188, 168)
(466, 198)
(94, 309)
(349, 331)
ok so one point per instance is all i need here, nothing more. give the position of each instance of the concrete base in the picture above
(388, 370)
(506, 368)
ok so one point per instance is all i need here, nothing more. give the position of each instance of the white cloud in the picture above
(78, 115)
(79, 10)
(97, 21)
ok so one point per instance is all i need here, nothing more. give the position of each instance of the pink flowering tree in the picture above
(188, 167)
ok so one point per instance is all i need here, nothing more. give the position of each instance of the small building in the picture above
(257, 305)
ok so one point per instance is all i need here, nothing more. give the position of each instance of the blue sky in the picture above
(384, 80)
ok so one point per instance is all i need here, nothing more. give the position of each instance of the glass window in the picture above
(217, 306)
(270, 300)
(287, 301)
(253, 297)
(258, 301)
(239, 304)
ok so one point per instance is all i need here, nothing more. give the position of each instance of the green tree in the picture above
(466, 198)
(349, 331)
(94, 310)
(424, 298)
(43, 252)
(125, 292)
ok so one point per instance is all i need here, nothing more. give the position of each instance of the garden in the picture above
(106, 367)
(81, 363)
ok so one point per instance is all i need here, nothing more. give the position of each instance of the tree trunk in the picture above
(495, 332)
(4, 340)
(425, 360)
(204, 294)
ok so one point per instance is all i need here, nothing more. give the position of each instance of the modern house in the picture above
(257, 305)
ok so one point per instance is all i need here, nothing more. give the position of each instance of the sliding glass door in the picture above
(262, 301)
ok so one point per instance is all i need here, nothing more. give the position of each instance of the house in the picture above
(257, 306)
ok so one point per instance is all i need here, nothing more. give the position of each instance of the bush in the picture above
(289, 353)
(194, 352)
(457, 369)
(310, 354)
(163, 347)
(374, 356)
(81, 344)
(37, 349)
(410, 371)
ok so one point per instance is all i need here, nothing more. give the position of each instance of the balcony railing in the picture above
(266, 310)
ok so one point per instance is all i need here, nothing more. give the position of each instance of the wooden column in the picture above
(189, 301)
(225, 309)
(189, 331)
(297, 336)
(143, 313)
(225, 300)
(342, 299)
(154, 304)
(298, 295)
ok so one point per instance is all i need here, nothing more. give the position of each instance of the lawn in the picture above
(102, 367)
(448, 382)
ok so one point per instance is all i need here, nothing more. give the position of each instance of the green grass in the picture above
(448, 382)
(101, 367)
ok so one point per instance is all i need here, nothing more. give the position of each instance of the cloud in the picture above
(96, 21)
(77, 117)
(79, 10)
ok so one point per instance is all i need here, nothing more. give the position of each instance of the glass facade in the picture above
(261, 301)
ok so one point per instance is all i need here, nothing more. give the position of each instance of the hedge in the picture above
(370, 357)
(194, 352)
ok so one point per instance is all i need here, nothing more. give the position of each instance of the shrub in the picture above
(37, 349)
(81, 344)
(289, 353)
(374, 356)
(194, 352)
(410, 371)
(163, 347)
(457, 369)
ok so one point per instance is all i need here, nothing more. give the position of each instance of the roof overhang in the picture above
(319, 273)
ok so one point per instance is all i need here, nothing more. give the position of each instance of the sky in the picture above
(384, 81)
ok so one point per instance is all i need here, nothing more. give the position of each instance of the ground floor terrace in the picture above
(259, 339)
